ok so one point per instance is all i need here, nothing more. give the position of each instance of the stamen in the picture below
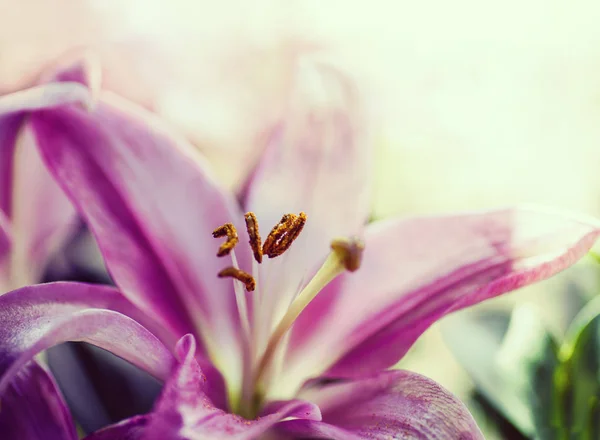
(253, 233)
(283, 234)
(227, 230)
(277, 232)
(239, 275)
(346, 255)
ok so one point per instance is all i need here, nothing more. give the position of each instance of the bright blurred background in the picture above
(473, 104)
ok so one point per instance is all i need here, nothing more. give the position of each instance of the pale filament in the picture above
(267, 345)
(240, 299)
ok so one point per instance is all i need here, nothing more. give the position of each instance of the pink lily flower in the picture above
(285, 336)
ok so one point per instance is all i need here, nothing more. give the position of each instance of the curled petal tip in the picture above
(46, 96)
(82, 67)
(185, 347)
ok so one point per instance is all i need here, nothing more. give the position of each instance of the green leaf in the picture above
(475, 338)
(529, 358)
(581, 355)
(516, 371)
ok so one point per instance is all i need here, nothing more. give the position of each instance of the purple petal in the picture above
(81, 67)
(37, 317)
(183, 410)
(39, 212)
(318, 162)
(130, 429)
(46, 96)
(152, 208)
(31, 408)
(42, 216)
(417, 270)
(5, 248)
(392, 404)
(10, 124)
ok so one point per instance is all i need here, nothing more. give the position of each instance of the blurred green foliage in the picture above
(544, 388)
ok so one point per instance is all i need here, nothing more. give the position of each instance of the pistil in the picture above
(346, 255)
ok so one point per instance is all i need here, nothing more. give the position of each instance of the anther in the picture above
(254, 234)
(277, 233)
(350, 251)
(227, 230)
(239, 275)
(283, 234)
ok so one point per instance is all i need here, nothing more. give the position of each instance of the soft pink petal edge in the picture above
(417, 270)
(391, 404)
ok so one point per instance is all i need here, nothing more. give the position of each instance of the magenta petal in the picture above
(82, 67)
(5, 247)
(10, 124)
(305, 429)
(152, 208)
(130, 429)
(42, 216)
(184, 412)
(417, 270)
(37, 317)
(31, 408)
(39, 213)
(392, 404)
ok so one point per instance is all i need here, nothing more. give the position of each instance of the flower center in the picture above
(345, 255)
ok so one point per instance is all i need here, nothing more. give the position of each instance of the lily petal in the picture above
(184, 412)
(82, 67)
(391, 404)
(417, 270)
(42, 216)
(31, 408)
(318, 163)
(37, 317)
(317, 157)
(5, 247)
(152, 207)
(10, 124)
(40, 213)
(130, 429)
(46, 96)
